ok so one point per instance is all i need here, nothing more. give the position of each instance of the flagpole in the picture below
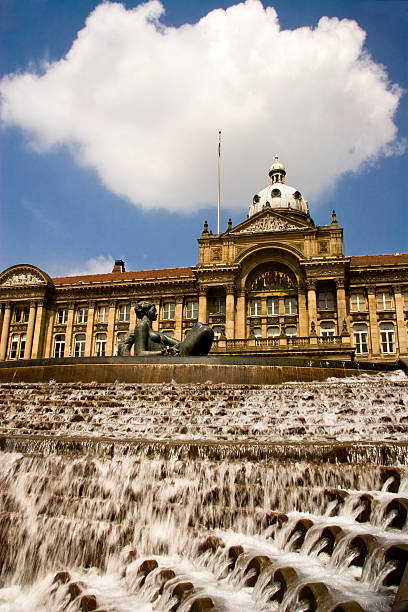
(219, 181)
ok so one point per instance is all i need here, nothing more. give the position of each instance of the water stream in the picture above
(214, 523)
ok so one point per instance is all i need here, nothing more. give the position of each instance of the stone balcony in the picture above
(333, 347)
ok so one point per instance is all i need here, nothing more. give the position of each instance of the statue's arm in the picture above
(141, 341)
(169, 340)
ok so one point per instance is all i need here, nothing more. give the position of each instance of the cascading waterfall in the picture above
(211, 524)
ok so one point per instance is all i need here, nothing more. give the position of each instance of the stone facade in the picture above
(276, 283)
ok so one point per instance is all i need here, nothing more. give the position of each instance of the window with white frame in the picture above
(387, 338)
(257, 332)
(255, 307)
(14, 346)
(272, 306)
(358, 302)
(218, 305)
(62, 315)
(82, 316)
(169, 311)
(124, 313)
(290, 331)
(360, 332)
(103, 313)
(290, 305)
(191, 309)
(327, 329)
(326, 300)
(385, 300)
(100, 345)
(273, 331)
(79, 345)
(218, 330)
(23, 339)
(59, 346)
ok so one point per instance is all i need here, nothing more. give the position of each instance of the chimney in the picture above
(119, 266)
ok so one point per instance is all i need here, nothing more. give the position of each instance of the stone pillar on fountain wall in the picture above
(230, 311)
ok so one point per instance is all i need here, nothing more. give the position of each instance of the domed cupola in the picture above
(277, 194)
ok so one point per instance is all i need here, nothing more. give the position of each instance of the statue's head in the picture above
(147, 309)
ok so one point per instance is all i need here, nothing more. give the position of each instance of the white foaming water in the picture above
(132, 530)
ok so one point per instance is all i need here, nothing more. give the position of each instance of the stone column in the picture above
(202, 305)
(5, 331)
(402, 330)
(179, 317)
(30, 330)
(50, 329)
(68, 329)
(311, 303)
(373, 323)
(89, 329)
(132, 318)
(39, 329)
(230, 311)
(302, 312)
(341, 305)
(110, 334)
(240, 321)
(155, 324)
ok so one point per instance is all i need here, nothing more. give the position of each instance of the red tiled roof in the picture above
(112, 277)
(379, 260)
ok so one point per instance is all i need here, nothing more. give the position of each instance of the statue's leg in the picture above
(198, 341)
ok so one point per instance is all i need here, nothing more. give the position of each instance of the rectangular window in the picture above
(255, 307)
(79, 346)
(218, 305)
(326, 300)
(124, 312)
(103, 312)
(273, 306)
(26, 314)
(327, 329)
(360, 339)
(62, 315)
(14, 346)
(17, 315)
(358, 302)
(59, 346)
(291, 331)
(82, 314)
(169, 310)
(290, 305)
(192, 310)
(384, 300)
(100, 345)
(387, 338)
(22, 347)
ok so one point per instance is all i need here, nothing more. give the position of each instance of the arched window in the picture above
(360, 338)
(273, 331)
(100, 345)
(59, 346)
(387, 338)
(257, 332)
(79, 345)
(327, 329)
(275, 193)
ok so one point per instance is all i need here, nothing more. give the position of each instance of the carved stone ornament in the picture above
(22, 279)
(267, 224)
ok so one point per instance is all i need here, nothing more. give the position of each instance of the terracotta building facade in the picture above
(275, 284)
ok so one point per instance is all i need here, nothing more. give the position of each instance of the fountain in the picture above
(199, 497)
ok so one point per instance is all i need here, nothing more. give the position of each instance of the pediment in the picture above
(21, 276)
(268, 221)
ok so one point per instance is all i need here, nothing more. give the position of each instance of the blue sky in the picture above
(68, 207)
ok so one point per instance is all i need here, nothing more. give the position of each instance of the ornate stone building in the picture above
(274, 284)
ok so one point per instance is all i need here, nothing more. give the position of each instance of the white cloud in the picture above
(94, 265)
(142, 103)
